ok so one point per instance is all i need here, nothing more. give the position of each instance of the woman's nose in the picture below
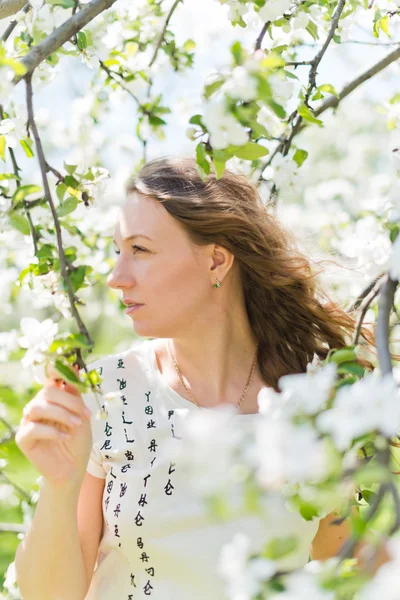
(119, 278)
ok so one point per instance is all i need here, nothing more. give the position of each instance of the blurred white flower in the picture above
(274, 9)
(37, 337)
(371, 403)
(236, 9)
(303, 585)
(243, 576)
(223, 127)
(369, 243)
(289, 453)
(282, 88)
(303, 393)
(240, 85)
(7, 128)
(300, 21)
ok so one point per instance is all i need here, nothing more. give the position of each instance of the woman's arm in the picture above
(330, 538)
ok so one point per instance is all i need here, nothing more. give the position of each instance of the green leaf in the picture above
(394, 232)
(20, 222)
(306, 113)
(368, 496)
(312, 30)
(196, 120)
(77, 277)
(67, 207)
(212, 87)
(201, 158)
(343, 355)
(77, 340)
(156, 121)
(70, 181)
(237, 52)
(329, 89)
(300, 156)
(62, 3)
(251, 151)
(3, 147)
(277, 108)
(81, 39)
(351, 367)
(70, 168)
(189, 45)
(219, 168)
(26, 144)
(279, 547)
(18, 68)
(23, 191)
(60, 191)
(46, 251)
(68, 374)
(4, 176)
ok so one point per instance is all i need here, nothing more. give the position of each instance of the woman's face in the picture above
(165, 273)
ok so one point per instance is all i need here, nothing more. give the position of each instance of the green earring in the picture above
(217, 284)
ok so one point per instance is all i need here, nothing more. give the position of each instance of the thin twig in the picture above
(364, 307)
(260, 38)
(64, 267)
(13, 25)
(161, 38)
(317, 59)
(333, 101)
(363, 294)
(62, 34)
(112, 75)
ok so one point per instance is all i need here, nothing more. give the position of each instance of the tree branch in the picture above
(332, 101)
(160, 41)
(64, 266)
(386, 298)
(62, 34)
(13, 25)
(10, 7)
(261, 36)
(318, 57)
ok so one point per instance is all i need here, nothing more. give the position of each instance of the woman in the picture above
(228, 305)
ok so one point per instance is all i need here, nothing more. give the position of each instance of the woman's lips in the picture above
(132, 308)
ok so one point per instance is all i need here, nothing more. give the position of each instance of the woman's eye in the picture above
(138, 248)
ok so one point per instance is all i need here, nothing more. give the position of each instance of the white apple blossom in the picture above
(305, 584)
(223, 127)
(369, 243)
(240, 85)
(282, 88)
(37, 337)
(273, 9)
(300, 21)
(243, 576)
(284, 173)
(394, 261)
(236, 9)
(289, 453)
(303, 393)
(372, 403)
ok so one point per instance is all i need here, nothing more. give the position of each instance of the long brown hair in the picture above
(290, 315)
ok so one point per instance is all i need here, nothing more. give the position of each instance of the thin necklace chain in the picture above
(253, 366)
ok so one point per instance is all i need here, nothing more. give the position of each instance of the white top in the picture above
(158, 539)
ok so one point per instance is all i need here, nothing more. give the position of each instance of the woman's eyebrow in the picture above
(132, 237)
